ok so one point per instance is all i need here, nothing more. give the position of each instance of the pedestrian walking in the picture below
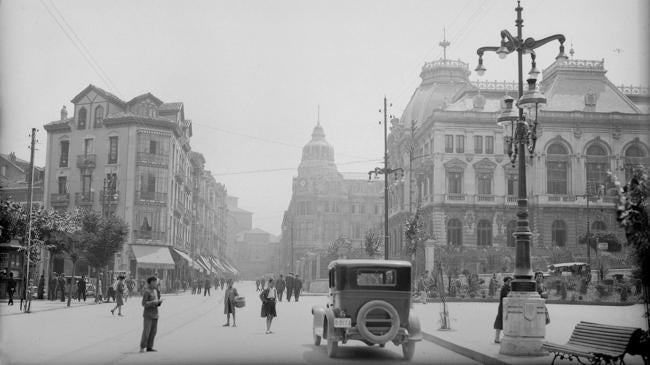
(51, 288)
(280, 286)
(198, 286)
(40, 294)
(151, 300)
(11, 288)
(222, 281)
(268, 297)
(229, 304)
(61, 286)
(99, 292)
(297, 287)
(257, 284)
(119, 295)
(498, 322)
(130, 286)
(206, 287)
(289, 281)
(81, 288)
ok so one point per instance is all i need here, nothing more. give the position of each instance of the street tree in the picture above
(103, 236)
(372, 244)
(415, 235)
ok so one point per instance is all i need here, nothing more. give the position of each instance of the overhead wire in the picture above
(245, 172)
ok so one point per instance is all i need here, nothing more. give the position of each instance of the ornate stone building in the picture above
(324, 206)
(457, 172)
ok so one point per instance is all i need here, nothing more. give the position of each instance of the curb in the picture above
(464, 351)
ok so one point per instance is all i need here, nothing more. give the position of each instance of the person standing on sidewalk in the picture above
(150, 301)
(61, 286)
(297, 287)
(289, 281)
(229, 304)
(280, 287)
(11, 288)
(268, 304)
(51, 288)
(40, 294)
(119, 296)
(81, 288)
(206, 286)
(498, 322)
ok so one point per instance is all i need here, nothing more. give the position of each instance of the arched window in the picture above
(597, 166)
(633, 157)
(484, 233)
(510, 231)
(81, 118)
(454, 232)
(558, 233)
(598, 226)
(99, 116)
(557, 169)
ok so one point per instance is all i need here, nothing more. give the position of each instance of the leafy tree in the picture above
(104, 237)
(340, 248)
(414, 234)
(372, 244)
(594, 238)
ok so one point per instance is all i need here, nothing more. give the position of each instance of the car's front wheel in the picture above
(332, 344)
(317, 338)
(408, 350)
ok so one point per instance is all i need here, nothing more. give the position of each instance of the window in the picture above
(489, 145)
(112, 149)
(89, 147)
(558, 233)
(386, 277)
(63, 184)
(633, 157)
(449, 143)
(484, 233)
(510, 233)
(478, 144)
(153, 147)
(99, 116)
(460, 144)
(86, 181)
(65, 149)
(557, 169)
(111, 182)
(454, 232)
(484, 183)
(597, 166)
(512, 185)
(81, 119)
(455, 181)
(599, 226)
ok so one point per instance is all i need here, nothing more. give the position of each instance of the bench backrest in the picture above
(615, 339)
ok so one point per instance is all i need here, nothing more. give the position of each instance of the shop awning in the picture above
(153, 257)
(185, 256)
(200, 265)
(216, 263)
(207, 264)
(230, 267)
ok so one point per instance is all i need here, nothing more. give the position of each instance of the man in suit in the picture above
(280, 286)
(51, 288)
(150, 301)
(206, 286)
(11, 288)
(289, 282)
(81, 288)
(297, 287)
(61, 286)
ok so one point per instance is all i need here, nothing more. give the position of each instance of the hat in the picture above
(507, 279)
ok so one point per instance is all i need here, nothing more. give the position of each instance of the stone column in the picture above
(429, 259)
(524, 324)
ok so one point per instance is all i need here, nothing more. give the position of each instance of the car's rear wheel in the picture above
(332, 344)
(317, 338)
(408, 350)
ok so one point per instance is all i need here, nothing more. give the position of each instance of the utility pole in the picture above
(30, 192)
(385, 179)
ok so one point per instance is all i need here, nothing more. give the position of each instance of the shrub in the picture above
(603, 290)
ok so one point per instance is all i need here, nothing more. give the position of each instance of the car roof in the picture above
(368, 263)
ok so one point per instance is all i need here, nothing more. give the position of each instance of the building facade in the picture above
(325, 205)
(256, 254)
(458, 173)
(133, 159)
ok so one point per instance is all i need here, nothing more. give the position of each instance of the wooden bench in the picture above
(598, 343)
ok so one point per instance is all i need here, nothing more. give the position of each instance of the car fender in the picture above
(414, 328)
(318, 313)
(329, 315)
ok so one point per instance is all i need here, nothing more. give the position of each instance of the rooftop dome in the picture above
(317, 154)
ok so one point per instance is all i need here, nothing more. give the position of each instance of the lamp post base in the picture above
(524, 324)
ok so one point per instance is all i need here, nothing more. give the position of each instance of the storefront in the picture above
(11, 260)
(154, 261)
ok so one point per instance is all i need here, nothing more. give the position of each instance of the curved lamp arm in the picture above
(531, 43)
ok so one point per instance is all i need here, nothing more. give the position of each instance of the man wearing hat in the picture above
(289, 284)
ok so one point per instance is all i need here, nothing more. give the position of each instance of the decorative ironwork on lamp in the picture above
(507, 119)
(531, 102)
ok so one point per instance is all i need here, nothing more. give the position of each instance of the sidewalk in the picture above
(472, 334)
(43, 305)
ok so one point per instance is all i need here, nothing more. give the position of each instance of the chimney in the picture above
(64, 114)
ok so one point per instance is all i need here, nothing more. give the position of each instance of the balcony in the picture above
(60, 200)
(87, 161)
(84, 198)
(511, 199)
(148, 235)
(484, 198)
(179, 175)
(150, 197)
(455, 197)
(110, 197)
(153, 159)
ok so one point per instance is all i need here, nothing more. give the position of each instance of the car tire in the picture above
(382, 345)
(317, 338)
(394, 318)
(408, 350)
(332, 344)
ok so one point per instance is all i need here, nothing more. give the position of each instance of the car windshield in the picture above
(376, 277)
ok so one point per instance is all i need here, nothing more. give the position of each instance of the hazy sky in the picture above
(252, 73)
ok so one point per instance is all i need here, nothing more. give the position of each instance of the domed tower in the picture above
(317, 156)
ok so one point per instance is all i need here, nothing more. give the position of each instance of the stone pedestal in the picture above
(524, 324)
(429, 249)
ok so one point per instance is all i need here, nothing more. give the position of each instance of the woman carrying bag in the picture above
(229, 303)
(268, 304)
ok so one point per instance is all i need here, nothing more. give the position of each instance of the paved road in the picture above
(190, 332)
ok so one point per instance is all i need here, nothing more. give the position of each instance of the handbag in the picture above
(240, 302)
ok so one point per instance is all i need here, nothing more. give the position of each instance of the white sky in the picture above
(251, 73)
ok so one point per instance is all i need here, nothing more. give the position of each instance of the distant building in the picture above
(325, 205)
(134, 159)
(14, 179)
(256, 254)
(458, 173)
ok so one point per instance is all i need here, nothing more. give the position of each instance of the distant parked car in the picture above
(369, 301)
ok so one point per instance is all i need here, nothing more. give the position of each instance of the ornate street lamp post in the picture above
(524, 317)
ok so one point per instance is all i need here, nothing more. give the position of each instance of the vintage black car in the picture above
(369, 301)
